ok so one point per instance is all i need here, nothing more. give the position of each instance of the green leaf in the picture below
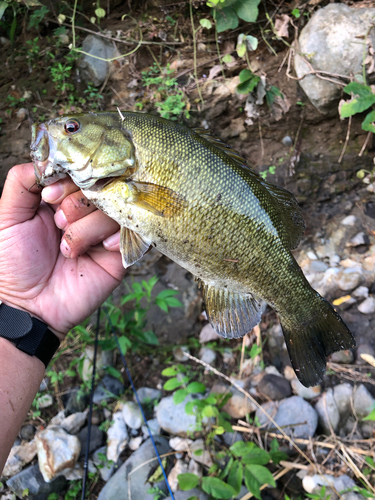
(241, 50)
(240, 448)
(245, 75)
(226, 19)
(370, 461)
(3, 6)
(206, 23)
(255, 477)
(277, 456)
(125, 343)
(210, 411)
(355, 106)
(187, 481)
(194, 387)
(179, 396)
(167, 293)
(368, 122)
(217, 488)
(256, 456)
(170, 372)
(189, 408)
(370, 416)
(172, 302)
(248, 86)
(137, 287)
(247, 10)
(296, 13)
(161, 304)
(235, 476)
(149, 337)
(358, 89)
(113, 372)
(226, 471)
(251, 42)
(172, 384)
(100, 12)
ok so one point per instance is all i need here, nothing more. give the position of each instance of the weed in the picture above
(93, 96)
(37, 17)
(227, 13)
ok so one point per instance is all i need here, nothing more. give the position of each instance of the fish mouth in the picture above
(43, 149)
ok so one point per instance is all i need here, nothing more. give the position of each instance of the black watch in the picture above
(28, 334)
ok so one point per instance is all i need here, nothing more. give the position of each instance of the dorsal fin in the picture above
(290, 214)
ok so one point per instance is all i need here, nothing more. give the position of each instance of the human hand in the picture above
(34, 274)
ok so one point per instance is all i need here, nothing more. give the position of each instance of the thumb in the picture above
(21, 196)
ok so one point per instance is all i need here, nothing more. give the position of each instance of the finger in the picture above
(112, 244)
(110, 262)
(73, 207)
(21, 196)
(87, 232)
(57, 191)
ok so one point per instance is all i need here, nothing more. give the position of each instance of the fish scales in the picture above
(197, 202)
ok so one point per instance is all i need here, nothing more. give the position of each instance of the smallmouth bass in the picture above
(195, 199)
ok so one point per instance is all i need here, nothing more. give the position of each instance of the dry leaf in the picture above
(214, 71)
(369, 359)
(281, 25)
(341, 300)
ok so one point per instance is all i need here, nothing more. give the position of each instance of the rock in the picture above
(200, 454)
(328, 412)
(173, 419)
(345, 357)
(317, 266)
(207, 355)
(363, 402)
(27, 432)
(313, 483)
(97, 417)
(44, 401)
(21, 114)
(229, 357)
(180, 467)
(117, 438)
(230, 438)
(135, 443)
(359, 239)
(95, 70)
(367, 306)
(305, 392)
(348, 279)
(361, 292)
(207, 334)
(132, 415)
(350, 220)
(75, 401)
(148, 395)
(117, 486)
(178, 354)
(154, 427)
(327, 39)
(96, 439)
(57, 451)
(57, 419)
(274, 387)
(364, 348)
(287, 141)
(74, 422)
(195, 468)
(185, 495)
(367, 429)
(342, 395)
(293, 410)
(238, 405)
(43, 385)
(104, 358)
(180, 444)
(19, 456)
(105, 466)
(32, 480)
(108, 388)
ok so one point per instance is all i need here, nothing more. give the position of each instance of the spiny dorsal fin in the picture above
(290, 214)
(231, 314)
(132, 246)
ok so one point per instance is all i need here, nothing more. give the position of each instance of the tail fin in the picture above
(310, 342)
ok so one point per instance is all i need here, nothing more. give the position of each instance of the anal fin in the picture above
(132, 246)
(231, 314)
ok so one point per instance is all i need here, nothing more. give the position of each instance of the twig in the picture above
(261, 141)
(365, 144)
(242, 355)
(346, 139)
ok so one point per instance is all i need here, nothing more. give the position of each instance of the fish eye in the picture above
(72, 126)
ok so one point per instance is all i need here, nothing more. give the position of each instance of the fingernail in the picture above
(52, 193)
(112, 241)
(60, 219)
(65, 249)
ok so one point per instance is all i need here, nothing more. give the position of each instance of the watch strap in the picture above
(27, 333)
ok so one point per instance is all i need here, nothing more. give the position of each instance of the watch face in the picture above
(14, 323)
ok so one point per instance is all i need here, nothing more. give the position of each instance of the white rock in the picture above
(367, 306)
(328, 412)
(135, 442)
(178, 354)
(363, 401)
(57, 451)
(272, 370)
(359, 239)
(132, 415)
(173, 418)
(305, 392)
(74, 422)
(309, 483)
(349, 278)
(180, 444)
(154, 428)
(203, 457)
(194, 468)
(19, 456)
(361, 292)
(312, 255)
(118, 437)
(45, 400)
(350, 220)
(180, 467)
(207, 355)
(238, 405)
(57, 419)
(207, 334)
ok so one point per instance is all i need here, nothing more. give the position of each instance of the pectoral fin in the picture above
(231, 314)
(158, 200)
(132, 246)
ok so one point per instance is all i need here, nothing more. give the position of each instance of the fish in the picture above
(193, 198)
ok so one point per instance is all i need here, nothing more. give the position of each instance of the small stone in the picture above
(57, 419)
(45, 401)
(132, 415)
(345, 357)
(207, 334)
(195, 468)
(180, 444)
(135, 443)
(364, 348)
(32, 480)
(74, 422)
(180, 467)
(96, 439)
(75, 401)
(367, 306)
(148, 395)
(348, 279)
(173, 418)
(154, 428)
(207, 355)
(134, 432)
(238, 406)
(274, 387)
(287, 141)
(305, 392)
(200, 454)
(95, 69)
(117, 437)
(342, 395)
(107, 414)
(57, 451)
(106, 467)
(19, 456)
(178, 354)
(311, 255)
(363, 401)
(27, 432)
(179, 455)
(97, 417)
(350, 220)
(328, 412)
(229, 357)
(43, 385)
(359, 239)
(108, 388)
(317, 266)
(361, 292)
(230, 438)
(21, 114)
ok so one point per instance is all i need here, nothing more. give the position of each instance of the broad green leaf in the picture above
(189, 408)
(206, 23)
(100, 12)
(277, 456)
(137, 287)
(355, 106)
(219, 430)
(217, 488)
(370, 416)
(167, 293)
(370, 461)
(170, 372)
(251, 42)
(149, 337)
(358, 89)
(198, 453)
(172, 384)
(3, 6)
(210, 411)
(256, 456)
(226, 471)
(247, 10)
(297, 14)
(255, 477)
(226, 19)
(240, 448)
(248, 86)
(368, 122)
(113, 372)
(245, 75)
(187, 481)
(241, 49)
(235, 476)
(161, 304)
(124, 344)
(172, 302)
(129, 297)
(252, 484)
(194, 387)
(228, 58)
(179, 396)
